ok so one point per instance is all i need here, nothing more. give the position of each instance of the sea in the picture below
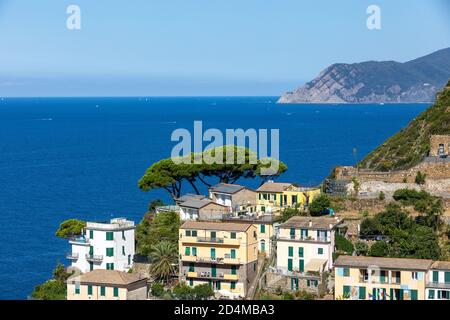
(63, 158)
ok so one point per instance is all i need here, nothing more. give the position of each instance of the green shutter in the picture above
(447, 277)
(109, 236)
(109, 252)
(362, 293)
(194, 233)
(346, 272)
(213, 271)
(213, 254)
(102, 291)
(431, 294)
(301, 265)
(233, 270)
(289, 264)
(233, 254)
(116, 292)
(191, 267)
(77, 288)
(414, 294)
(435, 276)
(263, 228)
(89, 290)
(123, 250)
(91, 250)
(188, 233)
(233, 285)
(233, 235)
(383, 276)
(187, 251)
(91, 234)
(346, 291)
(194, 251)
(213, 234)
(291, 251)
(320, 251)
(300, 252)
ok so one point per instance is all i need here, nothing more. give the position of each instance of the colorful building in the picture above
(373, 278)
(438, 281)
(202, 209)
(223, 255)
(275, 196)
(109, 246)
(106, 285)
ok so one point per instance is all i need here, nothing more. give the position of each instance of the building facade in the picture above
(106, 285)
(373, 278)
(223, 255)
(306, 244)
(202, 209)
(238, 198)
(275, 196)
(107, 246)
(438, 281)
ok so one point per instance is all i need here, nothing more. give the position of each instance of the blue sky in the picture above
(202, 47)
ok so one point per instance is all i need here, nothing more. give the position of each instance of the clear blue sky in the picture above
(202, 47)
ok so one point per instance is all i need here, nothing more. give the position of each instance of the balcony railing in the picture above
(80, 240)
(72, 256)
(227, 259)
(209, 275)
(304, 238)
(94, 258)
(208, 239)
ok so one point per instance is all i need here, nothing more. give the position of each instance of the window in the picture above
(213, 254)
(292, 233)
(90, 290)
(102, 291)
(233, 235)
(91, 234)
(233, 270)
(254, 266)
(123, 235)
(435, 276)
(263, 228)
(218, 285)
(414, 275)
(194, 233)
(213, 271)
(294, 200)
(291, 251)
(304, 233)
(362, 293)
(110, 266)
(300, 252)
(109, 236)
(233, 254)
(320, 251)
(312, 283)
(414, 294)
(447, 277)
(91, 266)
(431, 294)
(123, 251)
(191, 282)
(346, 291)
(77, 288)
(233, 285)
(289, 264)
(346, 272)
(110, 252)
(116, 292)
(213, 234)
(191, 267)
(194, 251)
(301, 265)
(187, 251)
(263, 209)
(188, 233)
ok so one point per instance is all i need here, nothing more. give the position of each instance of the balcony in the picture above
(189, 258)
(304, 239)
(94, 258)
(79, 240)
(225, 260)
(192, 274)
(209, 240)
(72, 256)
(232, 277)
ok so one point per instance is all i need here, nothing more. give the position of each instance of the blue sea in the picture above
(64, 158)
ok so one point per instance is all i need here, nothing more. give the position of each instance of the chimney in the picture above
(310, 223)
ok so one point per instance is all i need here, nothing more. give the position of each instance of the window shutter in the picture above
(362, 293)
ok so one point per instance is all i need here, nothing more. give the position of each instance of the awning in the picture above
(316, 265)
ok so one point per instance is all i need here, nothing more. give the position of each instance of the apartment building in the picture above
(275, 196)
(373, 278)
(438, 281)
(109, 246)
(306, 244)
(238, 198)
(223, 255)
(106, 285)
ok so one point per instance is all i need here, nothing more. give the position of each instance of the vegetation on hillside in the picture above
(408, 147)
(55, 288)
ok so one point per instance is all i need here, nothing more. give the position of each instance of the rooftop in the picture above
(107, 277)
(441, 265)
(311, 223)
(219, 226)
(226, 188)
(196, 204)
(114, 224)
(387, 263)
(274, 187)
(190, 196)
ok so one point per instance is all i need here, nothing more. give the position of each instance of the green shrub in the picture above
(342, 244)
(379, 249)
(157, 289)
(420, 178)
(319, 205)
(361, 248)
(381, 196)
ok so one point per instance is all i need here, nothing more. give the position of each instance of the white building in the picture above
(107, 246)
(306, 244)
(438, 281)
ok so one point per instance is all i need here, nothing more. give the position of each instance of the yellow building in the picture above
(372, 278)
(106, 285)
(221, 254)
(275, 196)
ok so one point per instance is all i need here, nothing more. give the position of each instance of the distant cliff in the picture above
(377, 82)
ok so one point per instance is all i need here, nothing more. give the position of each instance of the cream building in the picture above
(238, 198)
(306, 244)
(373, 278)
(106, 285)
(438, 281)
(223, 255)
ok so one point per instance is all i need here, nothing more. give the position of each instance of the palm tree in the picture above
(164, 258)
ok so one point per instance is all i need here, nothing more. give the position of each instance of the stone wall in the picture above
(436, 144)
